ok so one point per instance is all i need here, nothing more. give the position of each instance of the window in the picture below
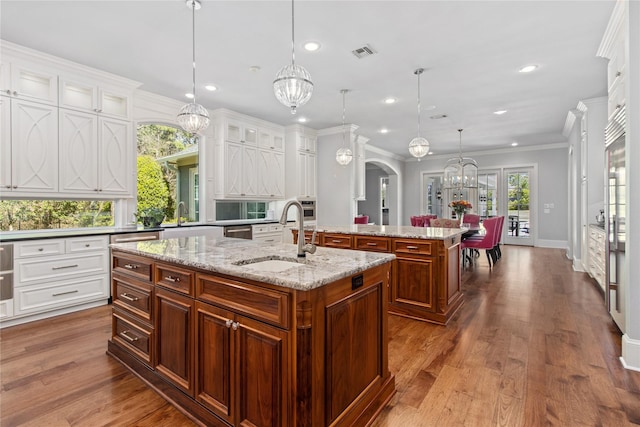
(18, 215)
(226, 210)
(168, 172)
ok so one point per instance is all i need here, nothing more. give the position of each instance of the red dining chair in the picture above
(417, 221)
(486, 242)
(496, 248)
(426, 220)
(362, 219)
(471, 219)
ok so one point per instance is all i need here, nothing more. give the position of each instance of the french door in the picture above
(519, 223)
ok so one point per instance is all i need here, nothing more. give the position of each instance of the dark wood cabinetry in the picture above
(232, 352)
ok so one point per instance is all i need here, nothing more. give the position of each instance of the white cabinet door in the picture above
(270, 140)
(306, 143)
(236, 131)
(241, 175)
(31, 82)
(114, 103)
(114, 156)
(34, 146)
(78, 95)
(271, 174)
(306, 174)
(5, 143)
(78, 152)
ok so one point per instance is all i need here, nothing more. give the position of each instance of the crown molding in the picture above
(616, 21)
(377, 150)
(572, 116)
(540, 147)
(337, 129)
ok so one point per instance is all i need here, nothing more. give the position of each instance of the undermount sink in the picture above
(270, 265)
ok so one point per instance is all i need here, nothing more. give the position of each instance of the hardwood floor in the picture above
(531, 346)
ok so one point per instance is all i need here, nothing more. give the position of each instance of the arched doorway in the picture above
(383, 199)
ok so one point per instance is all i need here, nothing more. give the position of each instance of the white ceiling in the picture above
(472, 51)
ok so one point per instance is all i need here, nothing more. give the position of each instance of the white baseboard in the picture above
(577, 265)
(630, 353)
(556, 244)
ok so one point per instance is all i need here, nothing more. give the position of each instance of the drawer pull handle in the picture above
(128, 297)
(65, 293)
(124, 335)
(135, 239)
(235, 326)
(228, 323)
(372, 244)
(131, 266)
(62, 267)
(172, 279)
(412, 247)
(40, 249)
(87, 245)
(336, 241)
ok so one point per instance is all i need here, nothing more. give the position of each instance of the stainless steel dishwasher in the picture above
(238, 231)
(6, 271)
(135, 237)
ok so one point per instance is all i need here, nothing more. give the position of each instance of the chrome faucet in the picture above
(185, 211)
(302, 247)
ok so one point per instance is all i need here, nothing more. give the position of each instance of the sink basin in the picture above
(270, 265)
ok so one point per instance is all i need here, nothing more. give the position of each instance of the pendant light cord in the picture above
(344, 132)
(293, 40)
(418, 72)
(193, 40)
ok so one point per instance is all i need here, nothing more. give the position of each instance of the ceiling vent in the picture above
(439, 116)
(364, 51)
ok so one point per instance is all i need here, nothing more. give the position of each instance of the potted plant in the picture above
(151, 217)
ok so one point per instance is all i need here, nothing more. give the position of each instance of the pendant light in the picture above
(293, 86)
(419, 146)
(344, 154)
(193, 117)
(461, 172)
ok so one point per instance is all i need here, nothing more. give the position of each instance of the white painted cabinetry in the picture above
(249, 158)
(270, 233)
(301, 170)
(81, 94)
(55, 276)
(95, 154)
(28, 81)
(29, 147)
(597, 254)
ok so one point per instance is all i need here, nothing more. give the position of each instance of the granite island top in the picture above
(239, 257)
(402, 231)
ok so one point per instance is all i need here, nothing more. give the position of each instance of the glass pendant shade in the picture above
(293, 86)
(344, 156)
(193, 118)
(419, 147)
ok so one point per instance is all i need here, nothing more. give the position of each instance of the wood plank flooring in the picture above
(531, 346)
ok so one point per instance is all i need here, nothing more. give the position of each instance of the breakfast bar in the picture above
(425, 281)
(238, 332)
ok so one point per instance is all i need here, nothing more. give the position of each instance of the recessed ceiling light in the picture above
(528, 68)
(390, 101)
(189, 95)
(514, 144)
(311, 46)
(302, 120)
(499, 112)
(429, 107)
(211, 87)
(384, 130)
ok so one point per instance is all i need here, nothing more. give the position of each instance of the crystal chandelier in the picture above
(419, 146)
(344, 154)
(193, 117)
(461, 172)
(293, 86)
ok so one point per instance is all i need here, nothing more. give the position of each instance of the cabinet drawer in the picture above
(134, 266)
(133, 296)
(175, 278)
(84, 244)
(46, 296)
(276, 227)
(260, 229)
(337, 241)
(135, 337)
(379, 244)
(55, 268)
(413, 247)
(40, 248)
(259, 303)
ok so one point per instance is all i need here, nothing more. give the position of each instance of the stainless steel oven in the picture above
(308, 209)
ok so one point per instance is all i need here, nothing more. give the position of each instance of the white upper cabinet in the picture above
(79, 94)
(5, 144)
(249, 159)
(33, 147)
(301, 171)
(94, 154)
(28, 81)
(306, 142)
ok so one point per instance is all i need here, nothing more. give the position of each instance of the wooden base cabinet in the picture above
(235, 352)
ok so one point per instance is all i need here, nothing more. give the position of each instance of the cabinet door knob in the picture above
(15, 186)
(619, 73)
(15, 93)
(235, 326)
(228, 323)
(8, 92)
(7, 186)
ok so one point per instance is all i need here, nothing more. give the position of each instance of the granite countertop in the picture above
(233, 257)
(428, 233)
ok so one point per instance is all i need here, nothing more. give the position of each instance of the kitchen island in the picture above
(238, 332)
(425, 281)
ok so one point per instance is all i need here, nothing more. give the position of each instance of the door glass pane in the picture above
(432, 197)
(487, 195)
(518, 210)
